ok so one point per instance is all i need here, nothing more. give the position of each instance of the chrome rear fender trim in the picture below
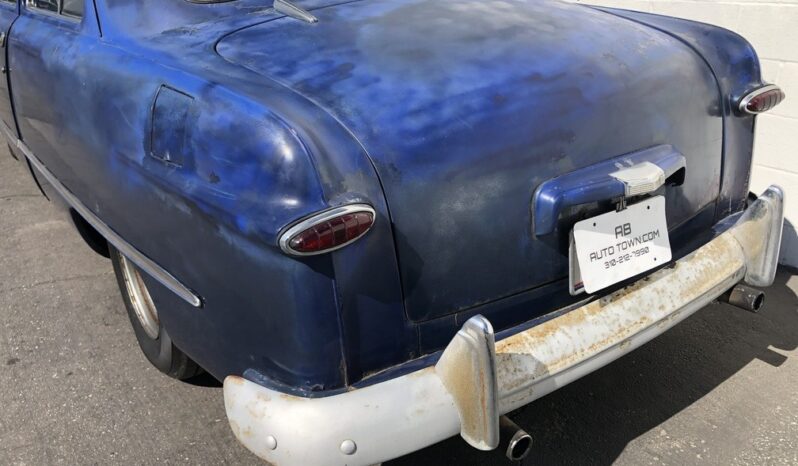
(134, 255)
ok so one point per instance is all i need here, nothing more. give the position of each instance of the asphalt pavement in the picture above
(721, 388)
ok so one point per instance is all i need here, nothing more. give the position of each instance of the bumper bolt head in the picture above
(348, 447)
(271, 442)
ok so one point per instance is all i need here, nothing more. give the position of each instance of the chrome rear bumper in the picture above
(477, 379)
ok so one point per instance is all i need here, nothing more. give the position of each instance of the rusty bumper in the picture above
(477, 379)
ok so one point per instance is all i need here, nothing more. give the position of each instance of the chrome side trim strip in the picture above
(289, 9)
(321, 217)
(137, 257)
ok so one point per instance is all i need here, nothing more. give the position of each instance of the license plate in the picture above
(612, 247)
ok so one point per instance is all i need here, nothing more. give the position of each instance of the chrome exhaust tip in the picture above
(744, 297)
(515, 442)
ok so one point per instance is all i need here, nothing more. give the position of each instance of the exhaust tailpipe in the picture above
(744, 297)
(515, 442)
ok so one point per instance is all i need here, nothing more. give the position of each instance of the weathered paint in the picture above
(735, 65)
(85, 107)
(466, 107)
(296, 118)
(406, 413)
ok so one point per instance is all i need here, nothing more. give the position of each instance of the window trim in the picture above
(30, 6)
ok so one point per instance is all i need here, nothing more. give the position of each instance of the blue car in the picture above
(384, 223)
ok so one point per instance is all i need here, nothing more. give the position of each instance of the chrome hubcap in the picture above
(140, 298)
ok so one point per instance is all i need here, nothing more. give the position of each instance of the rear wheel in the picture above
(150, 333)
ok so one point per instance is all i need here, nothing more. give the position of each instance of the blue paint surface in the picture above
(446, 116)
(466, 107)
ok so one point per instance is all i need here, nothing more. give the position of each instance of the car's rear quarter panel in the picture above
(85, 110)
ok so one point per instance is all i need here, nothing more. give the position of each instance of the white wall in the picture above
(772, 27)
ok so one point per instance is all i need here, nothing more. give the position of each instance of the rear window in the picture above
(48, 5)
(73, 8)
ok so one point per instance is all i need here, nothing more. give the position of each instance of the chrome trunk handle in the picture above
(614, 179)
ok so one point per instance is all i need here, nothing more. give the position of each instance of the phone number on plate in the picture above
(626, 257)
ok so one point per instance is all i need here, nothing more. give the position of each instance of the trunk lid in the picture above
(466, 107)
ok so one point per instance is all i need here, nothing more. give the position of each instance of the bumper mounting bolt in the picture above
(271, 442)
(348, 447)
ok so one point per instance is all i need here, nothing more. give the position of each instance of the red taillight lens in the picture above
(762, 99)
(328, 230)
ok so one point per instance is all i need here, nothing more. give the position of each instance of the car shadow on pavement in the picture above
(592, 420)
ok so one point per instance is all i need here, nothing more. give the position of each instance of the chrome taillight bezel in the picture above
(747, 98)
(321, 217)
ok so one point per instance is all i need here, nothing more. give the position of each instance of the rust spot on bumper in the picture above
(526, 358)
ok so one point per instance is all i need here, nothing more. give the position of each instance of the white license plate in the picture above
(615, 246)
